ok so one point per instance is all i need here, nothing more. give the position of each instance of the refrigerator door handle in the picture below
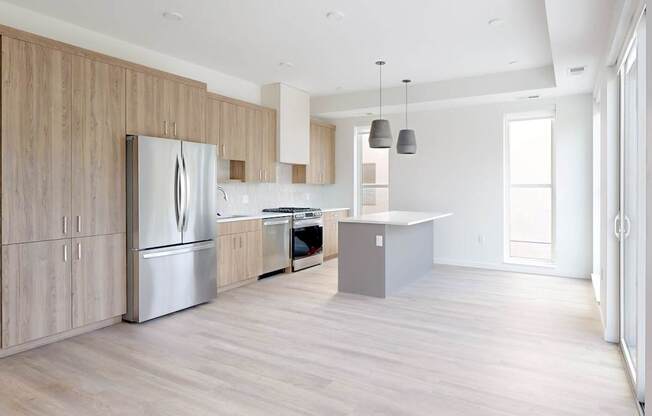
(186, 193)
(177, 194)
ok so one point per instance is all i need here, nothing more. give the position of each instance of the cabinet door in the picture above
(314, 168)
(36, 128)
(98, 148)
(99, 278)
(328, 155)
(226, 258)
(212, 118)
(269, 145)
(253, 132)
(254, 254)
(187, 113)
(232, 131)
(147, 106)
(36, 291)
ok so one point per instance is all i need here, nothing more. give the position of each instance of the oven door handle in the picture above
(302, 226)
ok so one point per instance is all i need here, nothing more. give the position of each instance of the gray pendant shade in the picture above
(380, 135)
(407, 142)
(407, 139)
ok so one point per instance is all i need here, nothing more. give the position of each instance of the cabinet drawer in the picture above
(235, 227)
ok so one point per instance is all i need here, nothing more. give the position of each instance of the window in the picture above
(529, 191)
(373, 168)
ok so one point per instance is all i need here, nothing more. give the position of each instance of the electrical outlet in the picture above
(481, 239)
(245, 199)
(379, 241)
(307, 197)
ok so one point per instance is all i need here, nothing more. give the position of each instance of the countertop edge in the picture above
(353, 220)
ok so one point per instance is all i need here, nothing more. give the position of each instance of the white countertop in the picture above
(334, 209)
(397, 217)
(247, 217)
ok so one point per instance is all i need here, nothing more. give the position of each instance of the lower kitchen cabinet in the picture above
(240, 252)
(331, 219)
(99, 281)
(36, 291)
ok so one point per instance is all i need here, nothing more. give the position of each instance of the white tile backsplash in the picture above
(250, 198)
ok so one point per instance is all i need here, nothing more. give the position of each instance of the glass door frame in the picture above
(636, 370)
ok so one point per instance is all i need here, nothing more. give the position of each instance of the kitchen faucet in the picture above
(224, 194)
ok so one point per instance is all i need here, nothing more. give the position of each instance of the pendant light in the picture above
(380, 136)
(407, 141)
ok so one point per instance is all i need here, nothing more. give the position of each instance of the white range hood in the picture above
(293, 124)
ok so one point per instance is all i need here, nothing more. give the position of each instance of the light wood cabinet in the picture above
(254, 166)
(36, 291)
(99, 280)
(36, 143)
(269, 145)
(164, 108)
(321, 169)
(98, 148)
(213, 117)
(330, 239)
(233, 137)
(240, 252)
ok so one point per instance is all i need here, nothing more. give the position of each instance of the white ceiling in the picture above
(426, 40)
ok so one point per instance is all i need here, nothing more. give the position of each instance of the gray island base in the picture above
(381, 253)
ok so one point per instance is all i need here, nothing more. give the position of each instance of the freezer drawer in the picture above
(165, 280)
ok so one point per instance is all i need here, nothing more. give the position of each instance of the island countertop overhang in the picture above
(401, 218)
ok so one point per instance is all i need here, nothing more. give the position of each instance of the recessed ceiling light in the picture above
(176, 16)
(286, 64)
(335, 16)
(496, 22)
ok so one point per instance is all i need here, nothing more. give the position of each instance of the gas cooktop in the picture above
(291, 210)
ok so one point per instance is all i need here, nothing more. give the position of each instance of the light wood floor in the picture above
(459, 342)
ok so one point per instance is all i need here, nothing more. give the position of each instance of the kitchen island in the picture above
(381, 253)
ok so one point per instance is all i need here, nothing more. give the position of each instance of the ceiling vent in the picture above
(576, 70)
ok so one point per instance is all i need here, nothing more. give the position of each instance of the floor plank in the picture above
(458, 342)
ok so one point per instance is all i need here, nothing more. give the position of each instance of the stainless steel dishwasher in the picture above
(276, 243)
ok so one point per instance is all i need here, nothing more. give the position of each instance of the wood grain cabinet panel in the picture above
(269, 145)
(36, 143)
(36, 291)
(212, 120)
(98, 148)
(253, 131)
(233, 138)
(147, 108)
(328, 155)
(187, 112)
(331, 227)
(226, 260)
(254, 254)
(321, 169)
(99, 280)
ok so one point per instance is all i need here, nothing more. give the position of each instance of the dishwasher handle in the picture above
(276, 222)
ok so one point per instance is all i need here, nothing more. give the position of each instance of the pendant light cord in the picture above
(381, 91)
(406, 106)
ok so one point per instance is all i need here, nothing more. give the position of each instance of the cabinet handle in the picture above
(165, 127)
(78, 251)
(65, 253)
(240, 241)
(174, 126)
(79, 223)
(65, 225)
(223, 149)
(233, 243)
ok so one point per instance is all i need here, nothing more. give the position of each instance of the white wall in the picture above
(27, 20)
(459, 167)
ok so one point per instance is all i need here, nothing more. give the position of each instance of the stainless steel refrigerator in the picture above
(171, 226)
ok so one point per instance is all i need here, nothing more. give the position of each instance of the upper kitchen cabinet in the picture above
(98, 148)
(269, 145)
(321, 168)
(293, 121)
(36, 142)
(233, 136)
(162, 107)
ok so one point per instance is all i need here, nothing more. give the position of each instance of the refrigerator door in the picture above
(169, 279)
(199, 167)
(155, 191)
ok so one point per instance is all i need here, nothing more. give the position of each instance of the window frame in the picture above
(507, 187)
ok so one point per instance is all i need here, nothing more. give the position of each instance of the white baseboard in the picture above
(505, 267)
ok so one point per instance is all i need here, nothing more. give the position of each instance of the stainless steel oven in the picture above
(307, 242)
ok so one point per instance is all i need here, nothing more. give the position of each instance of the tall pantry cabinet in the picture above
(63, 191)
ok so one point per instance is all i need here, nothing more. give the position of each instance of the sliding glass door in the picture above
(630, 223)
